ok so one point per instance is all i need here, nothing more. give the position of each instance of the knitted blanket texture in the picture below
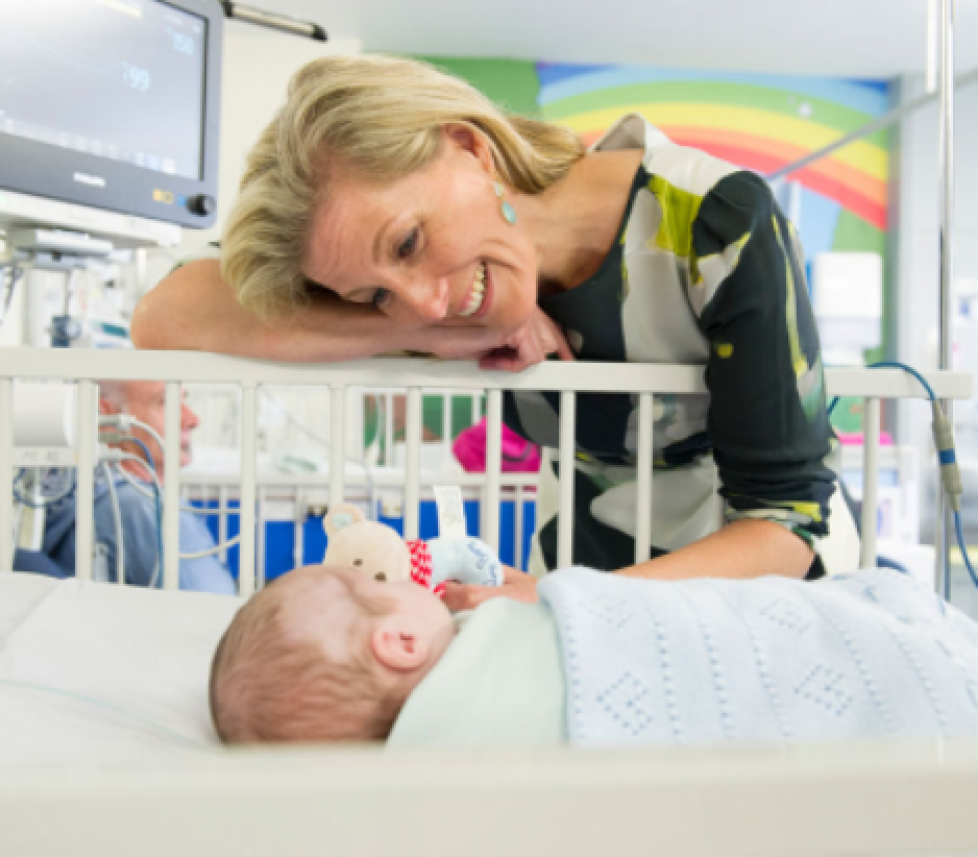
(714, 661)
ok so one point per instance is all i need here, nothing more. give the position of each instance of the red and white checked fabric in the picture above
(421, 565)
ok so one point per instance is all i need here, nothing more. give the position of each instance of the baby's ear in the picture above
(341, 517)
(397, 647)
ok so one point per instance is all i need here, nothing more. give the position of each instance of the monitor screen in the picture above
(112, 104)
(123, 79)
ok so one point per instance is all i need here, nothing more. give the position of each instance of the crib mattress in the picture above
(95, 672)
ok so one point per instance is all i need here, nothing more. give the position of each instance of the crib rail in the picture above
(569, 379)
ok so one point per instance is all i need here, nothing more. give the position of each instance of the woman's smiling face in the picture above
(432, 248)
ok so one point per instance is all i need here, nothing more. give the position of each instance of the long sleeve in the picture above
(767, 419)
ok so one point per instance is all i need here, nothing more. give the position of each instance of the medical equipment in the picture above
(152, 155)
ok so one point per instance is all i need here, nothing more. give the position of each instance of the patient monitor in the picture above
(109, 114)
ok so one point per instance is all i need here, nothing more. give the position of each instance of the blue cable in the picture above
(895, 364)
(891, 364)
(159, 503)
(963, 548)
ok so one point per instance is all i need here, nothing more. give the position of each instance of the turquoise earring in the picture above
(508, 211)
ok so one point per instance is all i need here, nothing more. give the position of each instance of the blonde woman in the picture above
(391, 207)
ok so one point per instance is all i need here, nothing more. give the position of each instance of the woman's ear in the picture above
(471, 141)
(397, 647)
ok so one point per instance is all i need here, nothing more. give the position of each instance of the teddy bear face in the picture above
(375, 550)
(367, 546)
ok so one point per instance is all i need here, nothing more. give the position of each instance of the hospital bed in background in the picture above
(867, 798)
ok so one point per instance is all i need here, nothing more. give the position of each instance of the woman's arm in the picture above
(194, 309)
(741, 550)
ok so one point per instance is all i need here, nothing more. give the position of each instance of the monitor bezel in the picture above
(50, 171)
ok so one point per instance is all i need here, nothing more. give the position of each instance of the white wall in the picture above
(258, 63)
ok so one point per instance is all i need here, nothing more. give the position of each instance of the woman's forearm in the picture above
(742, 549)
(194, 309)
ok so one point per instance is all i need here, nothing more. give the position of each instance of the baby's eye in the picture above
(380, 298)
(358, 562)
(381, 577)
(407, 247)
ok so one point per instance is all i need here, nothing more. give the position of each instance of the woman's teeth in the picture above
(478, 293)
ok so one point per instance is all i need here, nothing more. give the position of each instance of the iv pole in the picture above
(945, 97)
(942, 523)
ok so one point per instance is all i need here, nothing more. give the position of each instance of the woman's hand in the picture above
(529, 345)
(468, 596)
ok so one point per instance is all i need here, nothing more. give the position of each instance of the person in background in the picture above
(144, 401)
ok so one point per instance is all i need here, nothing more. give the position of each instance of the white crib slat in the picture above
(446, 426)
(494, 466)
(299, 549)
(388, 430)
(568, 446)
(260, 538)
(171, 487)
(518, 529)
(337, 444)
(222, 522)
(643, 481)
(249, 449)
(6, 474)
(871, 443)
(85, 491)
(412, 468)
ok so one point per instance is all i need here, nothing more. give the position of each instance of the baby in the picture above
(327, 654)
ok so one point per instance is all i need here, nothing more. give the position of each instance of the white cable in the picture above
(125, 456)
(116, 455)
(230, 543)
(120, 546)
(146, 492)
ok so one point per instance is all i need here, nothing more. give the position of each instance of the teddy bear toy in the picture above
(379, 551)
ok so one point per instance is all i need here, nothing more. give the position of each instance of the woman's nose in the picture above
(429, 301)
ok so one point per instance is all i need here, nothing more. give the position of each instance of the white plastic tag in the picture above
(451, 512)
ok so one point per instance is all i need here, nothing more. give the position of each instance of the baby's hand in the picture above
(468, 596)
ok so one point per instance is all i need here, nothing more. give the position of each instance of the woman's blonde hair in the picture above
(380, 118)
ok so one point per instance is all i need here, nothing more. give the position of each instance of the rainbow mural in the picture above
(759, 122)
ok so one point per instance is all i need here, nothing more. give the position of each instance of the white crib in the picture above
(869, 799)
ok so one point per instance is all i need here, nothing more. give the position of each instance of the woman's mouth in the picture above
(478, 304)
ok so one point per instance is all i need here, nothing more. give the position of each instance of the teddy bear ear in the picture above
(340, 517)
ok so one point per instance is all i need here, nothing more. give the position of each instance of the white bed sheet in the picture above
(92, 672)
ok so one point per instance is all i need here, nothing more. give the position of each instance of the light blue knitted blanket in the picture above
(710, 661)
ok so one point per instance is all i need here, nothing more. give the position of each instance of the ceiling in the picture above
(851, 38)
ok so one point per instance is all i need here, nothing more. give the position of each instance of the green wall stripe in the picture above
(715, 92)
(513, 85)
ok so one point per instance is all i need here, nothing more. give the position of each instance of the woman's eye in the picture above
(407, 247)
(380, 298)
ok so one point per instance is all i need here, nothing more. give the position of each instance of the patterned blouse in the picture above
(706, 269)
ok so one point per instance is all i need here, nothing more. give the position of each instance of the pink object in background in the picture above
(519, 456)
(855, 438)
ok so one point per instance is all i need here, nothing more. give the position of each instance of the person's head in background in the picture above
(325, 654)
(146, 401)
(380, 180)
